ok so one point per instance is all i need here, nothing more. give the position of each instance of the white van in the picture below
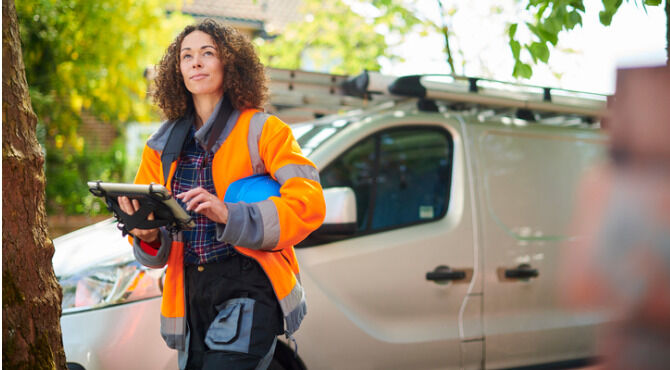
(446, 215)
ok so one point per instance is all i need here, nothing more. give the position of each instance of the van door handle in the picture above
(523, 271)
(444, 273)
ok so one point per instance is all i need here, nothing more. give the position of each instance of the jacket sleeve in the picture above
(150, 171)
(157, 260)
(278, 222)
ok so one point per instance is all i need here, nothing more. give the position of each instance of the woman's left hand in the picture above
(201, 201)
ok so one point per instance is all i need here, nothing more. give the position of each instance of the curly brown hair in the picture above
(244, 81)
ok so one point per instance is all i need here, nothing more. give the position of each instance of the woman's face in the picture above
(200, 65)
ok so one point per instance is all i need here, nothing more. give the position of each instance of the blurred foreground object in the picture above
(621, 262)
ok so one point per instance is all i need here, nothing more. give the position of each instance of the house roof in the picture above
(268, 15)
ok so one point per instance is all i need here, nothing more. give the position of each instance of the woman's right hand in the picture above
(130, 207)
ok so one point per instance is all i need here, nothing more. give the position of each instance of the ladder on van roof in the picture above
(300, 94)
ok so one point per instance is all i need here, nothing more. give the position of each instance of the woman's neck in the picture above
(204, 106)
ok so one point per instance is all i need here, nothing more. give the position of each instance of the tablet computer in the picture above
(153, 198)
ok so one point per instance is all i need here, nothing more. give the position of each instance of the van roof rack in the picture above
(480, 91)
(301, 95)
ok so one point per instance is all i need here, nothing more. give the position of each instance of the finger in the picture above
(202, 207)
(136, 205)
(185, 196)
(212, 204)
(214, 210)
(151, 216)
(198, 199)
(192, 202)
(124, 204)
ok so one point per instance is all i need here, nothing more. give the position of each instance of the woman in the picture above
(231, 283)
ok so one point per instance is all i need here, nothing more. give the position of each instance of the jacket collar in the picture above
(221, 119)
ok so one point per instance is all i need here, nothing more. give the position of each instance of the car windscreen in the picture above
(312, 134)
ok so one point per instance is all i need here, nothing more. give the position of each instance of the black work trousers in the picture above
(232, 313)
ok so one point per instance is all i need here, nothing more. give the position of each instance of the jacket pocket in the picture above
(231, 329)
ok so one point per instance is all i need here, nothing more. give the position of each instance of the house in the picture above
(262, 18)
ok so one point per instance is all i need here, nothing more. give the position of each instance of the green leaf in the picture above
(534, 29)
(522, 70)
(541, 11)
(539, 51)
(605, 18)
(611, 6)
(516, 48)
(653, 2)
(574, 18)
(551, 26)
(512, 30)
(548, 36)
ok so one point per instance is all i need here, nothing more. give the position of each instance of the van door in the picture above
(390, 296)
(527, 180)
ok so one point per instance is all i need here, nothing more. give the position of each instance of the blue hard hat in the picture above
(252, 189)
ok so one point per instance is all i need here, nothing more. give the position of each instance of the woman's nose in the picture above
(196, 62)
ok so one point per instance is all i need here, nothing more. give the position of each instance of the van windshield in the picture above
(311, 135)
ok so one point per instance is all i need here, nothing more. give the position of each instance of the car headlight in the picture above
(101, 286)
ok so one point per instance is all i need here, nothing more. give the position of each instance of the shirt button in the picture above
(201, 268)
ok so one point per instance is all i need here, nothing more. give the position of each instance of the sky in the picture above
(479, 37)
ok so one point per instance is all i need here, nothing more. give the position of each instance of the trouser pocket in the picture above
(231, 328)
(243, 325)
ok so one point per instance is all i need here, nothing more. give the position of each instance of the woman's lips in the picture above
(199, 76)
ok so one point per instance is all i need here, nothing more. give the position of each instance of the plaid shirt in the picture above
(195, 169)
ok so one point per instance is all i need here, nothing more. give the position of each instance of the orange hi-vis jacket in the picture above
(252, 142)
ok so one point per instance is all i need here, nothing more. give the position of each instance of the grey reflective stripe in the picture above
(294, 318)
(173, 331)
(270, 221)
(245, 226)
(255, 130)
(294, 308)
(293, 299)
(162, 255)
(289, 171)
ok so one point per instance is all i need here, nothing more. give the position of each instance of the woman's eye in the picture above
(208, 53)
(185, 56)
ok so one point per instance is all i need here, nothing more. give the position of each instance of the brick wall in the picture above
(99, 135)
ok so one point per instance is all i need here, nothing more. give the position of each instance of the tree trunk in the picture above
(31, 296)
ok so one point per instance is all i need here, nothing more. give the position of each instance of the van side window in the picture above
(400, 177)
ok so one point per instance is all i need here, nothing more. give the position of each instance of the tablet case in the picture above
(153, 198)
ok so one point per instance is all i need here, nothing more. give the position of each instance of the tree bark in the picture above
(31, 296)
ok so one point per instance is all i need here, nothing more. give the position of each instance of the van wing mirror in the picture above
(340, 220)
(340, 206)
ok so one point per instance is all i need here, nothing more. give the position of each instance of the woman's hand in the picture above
(201, 201)
(149, 235)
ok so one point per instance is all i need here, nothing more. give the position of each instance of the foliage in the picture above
(551, 17)
(337, 39)
(85, 56)
(90, 165)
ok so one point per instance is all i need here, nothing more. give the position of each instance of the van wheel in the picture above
(285, 359)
